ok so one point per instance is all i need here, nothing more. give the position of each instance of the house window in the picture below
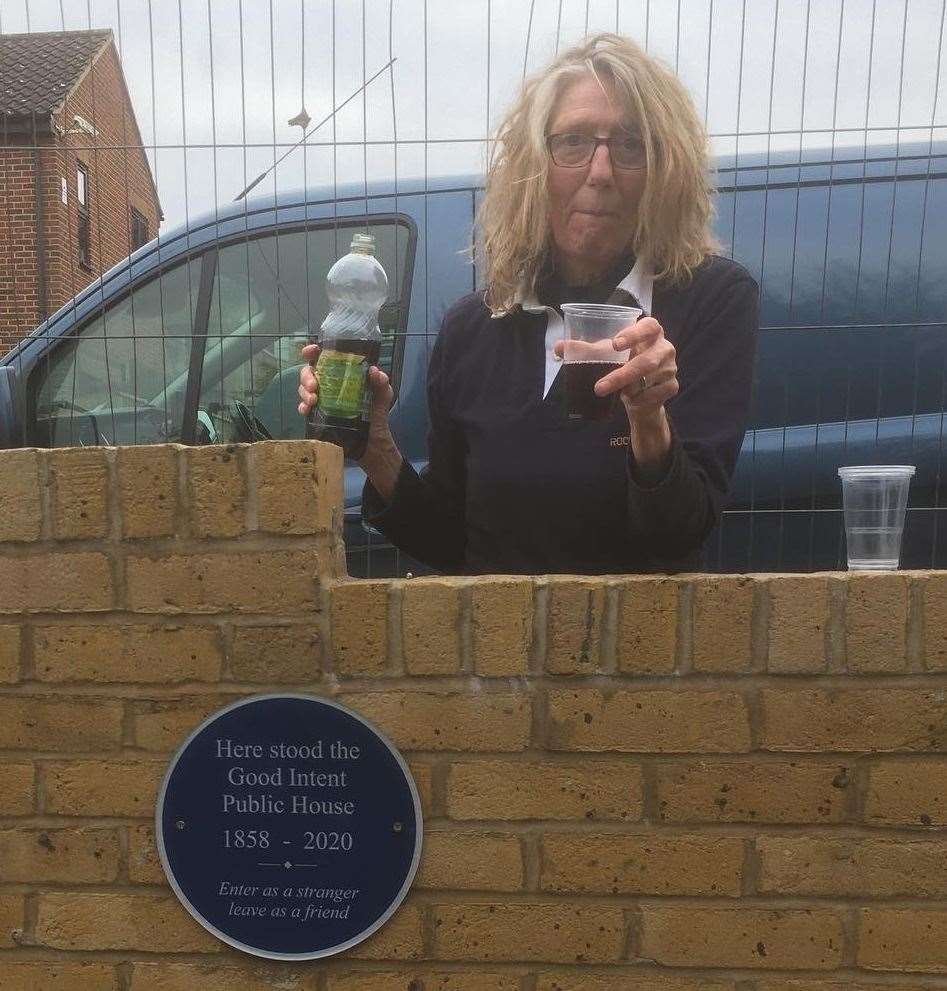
(138, 230)
(84, 229)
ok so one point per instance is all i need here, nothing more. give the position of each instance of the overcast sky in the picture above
(214, 82)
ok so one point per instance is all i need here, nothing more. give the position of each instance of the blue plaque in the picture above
(289, 827)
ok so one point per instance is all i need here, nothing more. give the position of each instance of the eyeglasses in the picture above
(575, 151)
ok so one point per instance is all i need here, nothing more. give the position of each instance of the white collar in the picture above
(639, 282)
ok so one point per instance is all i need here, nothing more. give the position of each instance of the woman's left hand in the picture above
(649, 378)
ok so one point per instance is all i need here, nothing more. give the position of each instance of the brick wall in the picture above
(629, 784)
(20, 304)
(119, 180)
(118, 174)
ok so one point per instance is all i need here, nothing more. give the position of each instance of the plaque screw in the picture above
(179, 824)
(397, 827)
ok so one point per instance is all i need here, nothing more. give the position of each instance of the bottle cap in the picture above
(363, 244)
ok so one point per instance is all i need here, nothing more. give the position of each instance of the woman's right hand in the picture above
(382, 393)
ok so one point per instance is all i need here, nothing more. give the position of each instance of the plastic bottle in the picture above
(350, 341)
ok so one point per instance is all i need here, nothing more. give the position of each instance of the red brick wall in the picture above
(118, 174)
(19, 291)
(119, 179)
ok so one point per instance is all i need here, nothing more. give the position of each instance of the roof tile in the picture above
(38, 70)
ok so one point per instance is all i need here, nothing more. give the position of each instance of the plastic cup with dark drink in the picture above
(588, 355)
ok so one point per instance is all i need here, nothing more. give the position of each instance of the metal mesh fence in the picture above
(178, 175)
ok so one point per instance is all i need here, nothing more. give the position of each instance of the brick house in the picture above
(76, 191)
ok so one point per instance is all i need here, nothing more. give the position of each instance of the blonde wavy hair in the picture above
(513, 239)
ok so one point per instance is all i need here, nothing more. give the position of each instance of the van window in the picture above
(121, 378)
(269, 298)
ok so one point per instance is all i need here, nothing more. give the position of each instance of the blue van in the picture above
(195, 338)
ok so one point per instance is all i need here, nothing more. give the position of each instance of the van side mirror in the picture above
(11, 429)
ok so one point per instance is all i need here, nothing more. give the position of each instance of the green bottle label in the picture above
(341, 383)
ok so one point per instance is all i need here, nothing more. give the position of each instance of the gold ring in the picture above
(643, 382)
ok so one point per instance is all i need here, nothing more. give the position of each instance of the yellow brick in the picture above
(216, 490)
(256, 582)
(144, 866)
(58, 975)
(723, 617)
(647, 626)
(575, 626)
(146, 922)
(17, 789)
(876, 614)
(11, 920)
(79, 477)
(502, 625)
(411, 980)
(20, 496)
(471, 982)
(853, 719)
(148, 490)
(557, 932)
(798, 618)
(103, 787)
(360, 627)
(276, 653)
(643, 864)
(33, 723)
(902, 939)
(648, 721)
(63, 856)
(430, 625)
(783, 939)
(907, 793)
(592, 789)
(163, 726)
(374, 980)
(637, 981)
(466, 860)
(747, 791)
(158, 654)
(9, 654)
(422, 774)
(48, 582)
(789, 985)
(400, 938)
(852, 868)
(935, 622)
(431, 721)
(298, 485)
(249, 976)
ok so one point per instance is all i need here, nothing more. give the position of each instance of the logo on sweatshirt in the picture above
(620, 441)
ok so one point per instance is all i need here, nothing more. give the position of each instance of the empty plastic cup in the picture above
(874, 498)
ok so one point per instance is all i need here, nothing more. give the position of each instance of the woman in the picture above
(596, 191)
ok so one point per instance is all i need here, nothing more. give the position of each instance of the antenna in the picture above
(309, 134)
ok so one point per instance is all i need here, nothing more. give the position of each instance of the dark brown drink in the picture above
(581, 400)
(341, 414)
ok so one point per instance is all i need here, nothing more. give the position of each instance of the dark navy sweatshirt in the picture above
(514, 486)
